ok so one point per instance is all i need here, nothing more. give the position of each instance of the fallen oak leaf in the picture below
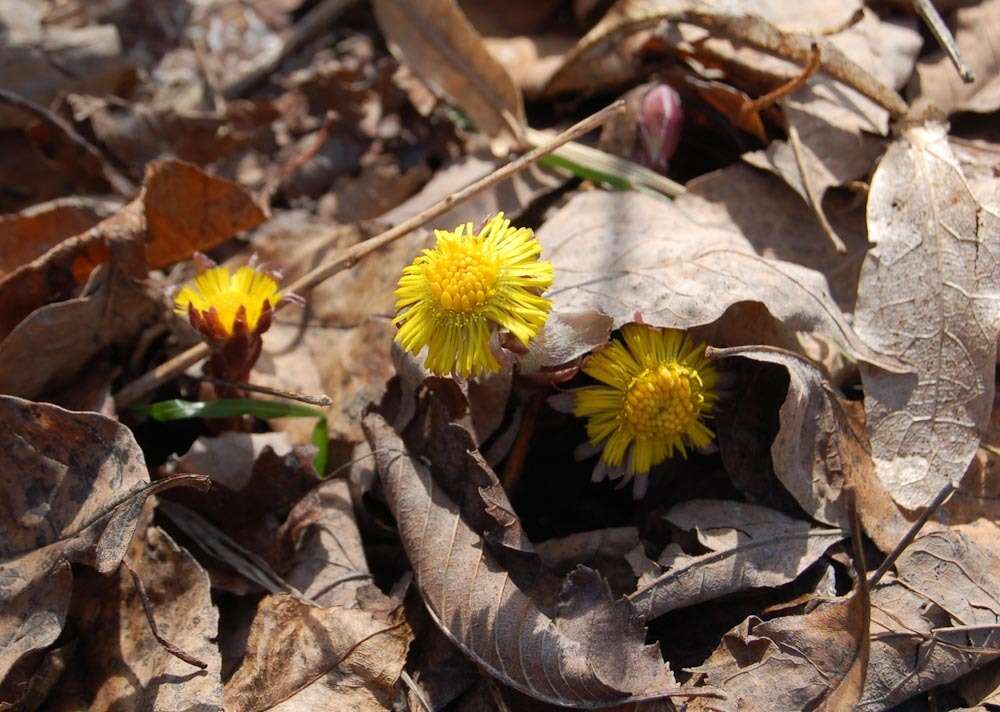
(559, 659)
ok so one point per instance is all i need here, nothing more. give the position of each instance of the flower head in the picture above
(453, 297)
(659, 386)
(216, 299)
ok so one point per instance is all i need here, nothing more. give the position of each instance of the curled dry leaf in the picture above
(588, 653)
(448, 54)
(945, 581)
(136, 672)
(303, 657)
(73, 485)
(928, 296)
(751, 547)
(814, 661)
(820, 450)
(622, 254)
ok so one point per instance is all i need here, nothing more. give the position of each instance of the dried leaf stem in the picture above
(931, 17)
(908, 538)
(148, 608)
(322, 401)
(793, 84)
(347, 258)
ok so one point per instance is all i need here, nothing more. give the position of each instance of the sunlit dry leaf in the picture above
(623, 254)
(560, 657)
(746, 22)
(752, 547)
(135, 671)
(450, 56)
(937, 84)
(300, 657)
(603, 550)
(530, 60)
(945, 581)
(928, 296)
(72, 487)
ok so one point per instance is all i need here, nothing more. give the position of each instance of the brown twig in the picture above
(349, 257)
(908, 538)
(793, 84)
(321, 400)
(931, 17)
(148, 608)
(815, 200)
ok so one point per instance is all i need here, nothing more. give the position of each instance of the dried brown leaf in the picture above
(815, 661)
(30, 233)
(944, 581)
(623, 254)
(441, 46)
(135, 672)
(561, 658)
(928, 297)
(73, 486)
(752, 547)
(302, 657)
(819, 451)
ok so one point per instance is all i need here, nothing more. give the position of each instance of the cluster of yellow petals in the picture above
(227, 293)
(657, 388)
(453, 297)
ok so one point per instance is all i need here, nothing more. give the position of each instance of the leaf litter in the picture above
(809, 189)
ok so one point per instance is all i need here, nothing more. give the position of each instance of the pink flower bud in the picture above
(660, 121)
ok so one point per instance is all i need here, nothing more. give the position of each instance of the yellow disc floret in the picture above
(454, 296)
(227, 293)
(658, 388)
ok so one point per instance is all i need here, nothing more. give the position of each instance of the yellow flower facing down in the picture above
(659, 387)
(224, 293)
(453, 297)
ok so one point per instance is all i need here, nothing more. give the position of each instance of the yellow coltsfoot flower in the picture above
(219, 302)
(231, 311)
(453, 298)
(659, 386)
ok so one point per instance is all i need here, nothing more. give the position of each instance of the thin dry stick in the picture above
(814, 198)
(943, 35)
(349, 257)
(322, 400)
(519, 451)
(928, 512)
(794, 84)
(148, 608)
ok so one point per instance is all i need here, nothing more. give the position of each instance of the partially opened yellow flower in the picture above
(453, 297)
(215, 298)
(659, 386)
